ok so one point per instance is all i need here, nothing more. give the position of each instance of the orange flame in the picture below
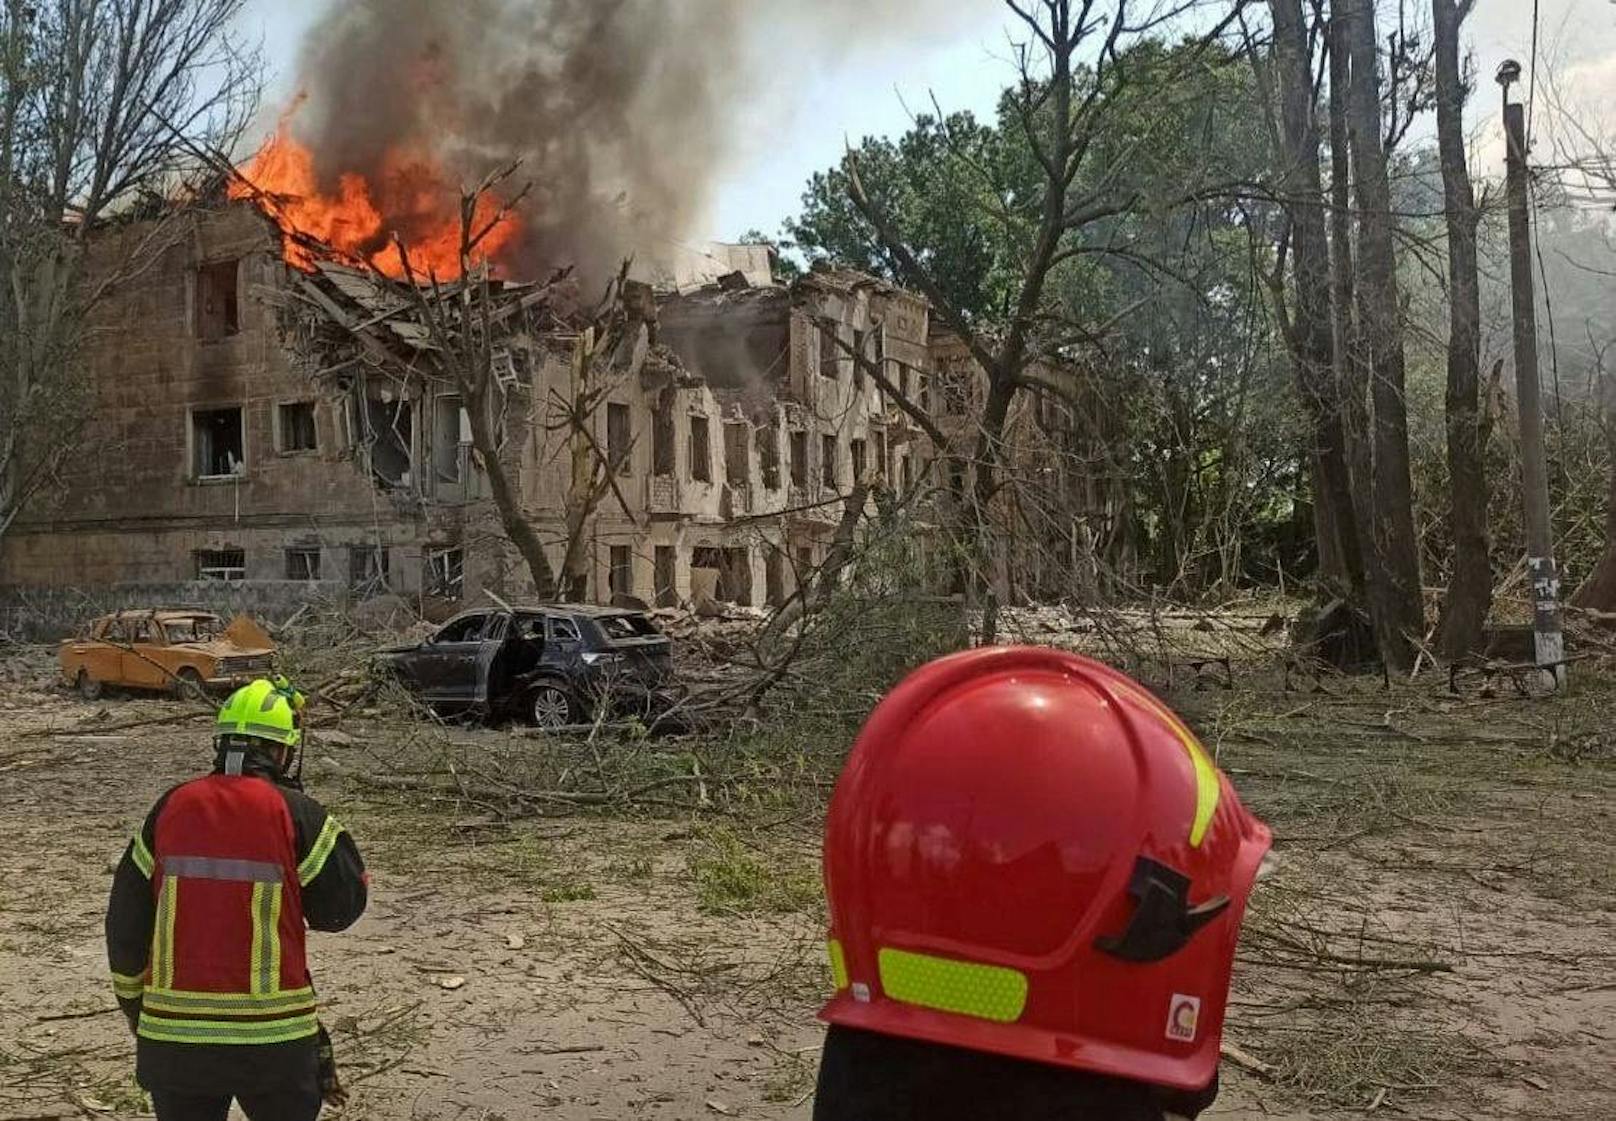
(409, 196)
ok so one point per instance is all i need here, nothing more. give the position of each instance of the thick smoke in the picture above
(624, 113)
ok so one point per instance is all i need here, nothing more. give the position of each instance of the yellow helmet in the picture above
(265, 709)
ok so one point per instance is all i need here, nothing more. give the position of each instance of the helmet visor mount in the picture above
(1163, 922)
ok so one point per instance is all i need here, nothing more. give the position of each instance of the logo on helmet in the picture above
(1182, 1015)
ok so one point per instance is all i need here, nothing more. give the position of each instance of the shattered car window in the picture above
(530, 628)
(197, 629)
(628, 626)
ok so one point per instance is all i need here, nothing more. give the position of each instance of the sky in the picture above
(801, 123)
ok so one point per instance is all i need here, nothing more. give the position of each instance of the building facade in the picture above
(219, 448)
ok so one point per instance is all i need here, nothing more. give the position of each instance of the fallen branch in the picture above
(174, 718)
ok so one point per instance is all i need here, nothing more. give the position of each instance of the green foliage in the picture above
(940, 183)
(1160, 303)
(733, 876)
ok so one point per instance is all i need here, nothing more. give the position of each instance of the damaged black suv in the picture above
(552, 665)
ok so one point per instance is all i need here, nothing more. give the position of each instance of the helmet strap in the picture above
(233, 761)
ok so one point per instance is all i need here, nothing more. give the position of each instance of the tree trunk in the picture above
(1313, 350)
(1395, 601)
(1351, 374)
(978, 527)
(507, 500)
(1470, 590)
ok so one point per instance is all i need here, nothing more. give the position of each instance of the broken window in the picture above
(229, 565)
(883, 465)
(451, 436)
(774, 577)
(829, 352)
(857, 448)
(367, 567)
(909, 472)
(827, 460)
(619, 437)
(445, 575)
(218, 444)
(388, 432)
(701, 456)
(303, 563)
(736, 468)
(907, 384)
(734, 572)
(662, 436)
(467, 628)
(295, 421)
(768, 447)
(621, 576)
(799, 458)
(667, 595)
(217, 309)
(861, 339)
(954, 391)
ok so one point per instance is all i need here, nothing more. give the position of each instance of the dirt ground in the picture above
(1439, 941)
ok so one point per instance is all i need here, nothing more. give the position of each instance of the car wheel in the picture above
(549, 706)
(188, 685)
(89, 688)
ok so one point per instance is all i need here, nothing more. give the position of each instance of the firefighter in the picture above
(205, 927)
(1036, 878)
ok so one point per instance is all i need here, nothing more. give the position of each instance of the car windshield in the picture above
(196, 628)
(628, 626)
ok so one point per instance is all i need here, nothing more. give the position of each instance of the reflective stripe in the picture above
(162, 970)
(323, 844)
(227, 1031)
(265, 970)
(988, 992)
(222, 1004)
(141, 855)
(1207, 787)
(218, 868)
(128, 986)
(270, 731)
(838, 964)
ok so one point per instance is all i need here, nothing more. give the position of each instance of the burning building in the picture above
(228, 445)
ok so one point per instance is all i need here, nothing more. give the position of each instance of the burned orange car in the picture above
(180, 651)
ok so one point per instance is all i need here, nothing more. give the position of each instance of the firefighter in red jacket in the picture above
(206, 925)
(1036, 878)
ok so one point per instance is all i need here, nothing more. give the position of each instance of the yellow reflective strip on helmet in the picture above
(247, 1004)
(163, 933)
(323, 844)
(1207, 787)
(128, 986)
(227, 1031)
(838, 964)
(988, 992)
(141, 855)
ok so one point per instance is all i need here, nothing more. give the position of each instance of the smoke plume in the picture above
(624, 113)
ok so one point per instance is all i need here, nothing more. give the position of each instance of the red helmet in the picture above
(1028, 854)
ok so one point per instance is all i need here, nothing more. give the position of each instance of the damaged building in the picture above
(221, 448)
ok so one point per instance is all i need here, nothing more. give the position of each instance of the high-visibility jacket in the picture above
(206, 924)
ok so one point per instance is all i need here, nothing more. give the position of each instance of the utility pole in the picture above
(1548, 643)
